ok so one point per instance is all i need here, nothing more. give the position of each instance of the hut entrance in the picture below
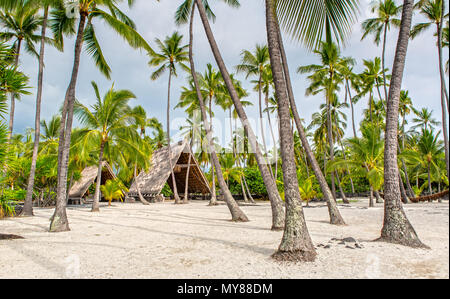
(152, 182)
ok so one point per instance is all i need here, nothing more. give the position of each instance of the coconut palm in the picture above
(45, 5)
(309, 24)
(274, 196)
(434, 12)
(427, 154)
(405, 109)
(387, 13)
(366, 157)
(113, 190)
(107, 125)
(172, 55)
(326, 79)
(372, 78)
(254, 64)
(89, 11)
(424, 119)
(236, 213)
(19, 25)
(396, 226)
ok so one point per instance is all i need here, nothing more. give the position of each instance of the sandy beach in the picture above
(196, 241)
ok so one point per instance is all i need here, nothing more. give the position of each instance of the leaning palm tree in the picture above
(434, 12)
(387, 13)
(19, 26)
(311, 22)
(107, 125)
(173, 55)
(236, 213)
(274, 196)
(396, 226)
(89, 11)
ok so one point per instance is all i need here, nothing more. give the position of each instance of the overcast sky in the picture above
(235, 30)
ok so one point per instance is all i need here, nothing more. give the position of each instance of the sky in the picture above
(235, 30)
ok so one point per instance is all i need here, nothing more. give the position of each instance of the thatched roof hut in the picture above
(88, 177)
(152, 182)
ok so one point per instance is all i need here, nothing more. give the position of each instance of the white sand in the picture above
(197, 241)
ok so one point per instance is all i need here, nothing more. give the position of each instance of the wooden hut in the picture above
(80, 190)
(152, 182)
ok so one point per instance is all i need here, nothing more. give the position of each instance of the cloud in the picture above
(235, 30)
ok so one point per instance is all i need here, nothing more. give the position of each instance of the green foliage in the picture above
(166, 191)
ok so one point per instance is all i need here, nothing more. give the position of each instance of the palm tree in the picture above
(89, 11)
(326, 78)
(28, 207)
(434, 11)
(396, 226)
(274, 196)
(426, 154)
(107, 125)
(236, 213)
(366, 157)
(19, 26)
(405, 109)
(172, 55)
(309, 24)
(371, 78)
(352, 81)
(113, 189)
(254, 64)
(387, 12)
(424, 119)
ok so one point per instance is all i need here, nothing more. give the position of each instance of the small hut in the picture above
(152, 182)
(80, 190)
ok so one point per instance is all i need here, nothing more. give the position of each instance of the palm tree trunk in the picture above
(261, 123)
(174, 182)
(383, 60)
(213, 200)
(344, 198)
(59, 220)
(13, 95)
(275, 147)
(296, 244)
(444, 95)
(335, 215)
(274, 196)
(97, 195)
(430, 190)
(236, 213)
(28, 205)
(378, 197)
(371, 205)
(353, 109)
(405, 198)
(396, 226)
(186, 188)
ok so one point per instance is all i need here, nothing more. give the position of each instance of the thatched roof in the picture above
(88, 177)
(152, 182)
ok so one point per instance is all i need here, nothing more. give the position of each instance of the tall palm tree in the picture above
(434, 11)
(173, 55)
(326, 78)
(254, 64)
(396, 226)
(296, 244)
(405, 109)
(387, 14)
(236, 213)
(274, 196)
(107, 124)
(45, 5)
(89, 11)
(19, 26)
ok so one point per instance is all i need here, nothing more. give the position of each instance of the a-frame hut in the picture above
(80, 189)
(152, 182)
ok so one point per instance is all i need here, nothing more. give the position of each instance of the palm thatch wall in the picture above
(152, 182)
(88, 177)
